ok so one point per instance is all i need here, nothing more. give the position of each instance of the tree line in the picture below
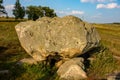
(2, 8)
(32, 12)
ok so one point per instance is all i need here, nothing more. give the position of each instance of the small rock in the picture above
(72, 69)
(5, 75)
(114, 76)
(116, 57)
(4, 72)
(58, 64)
(28, 61)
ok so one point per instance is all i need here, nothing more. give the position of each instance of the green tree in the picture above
(34, 12)
(2, 8)
(49, 12)
(18, 11)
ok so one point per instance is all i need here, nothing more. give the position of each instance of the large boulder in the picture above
(72, 69)
(68, 36)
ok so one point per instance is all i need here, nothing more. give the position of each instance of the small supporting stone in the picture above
(72, 69)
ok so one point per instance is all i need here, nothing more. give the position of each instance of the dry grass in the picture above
(110, 35)
(104, 63)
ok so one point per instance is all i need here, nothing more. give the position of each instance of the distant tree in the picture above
(2, 8)
(34, 12)
(18, 11)
(49, 12)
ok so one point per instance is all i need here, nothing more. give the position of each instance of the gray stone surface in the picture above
(72, 69)
(4, 71)
(27, 61)
(69, 36)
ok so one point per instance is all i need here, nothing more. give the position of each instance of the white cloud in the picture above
(92, 1)
(73, 12)
(9, 7)
(60, 12)
(84, 0)
(108, 6)
(77, 12)
(100, 6)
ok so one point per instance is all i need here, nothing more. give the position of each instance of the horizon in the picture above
(93, 11)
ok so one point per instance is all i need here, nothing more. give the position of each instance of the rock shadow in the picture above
(88, 55)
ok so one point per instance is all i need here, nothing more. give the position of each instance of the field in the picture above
(102, 63)
(107, 60)
(110, 34)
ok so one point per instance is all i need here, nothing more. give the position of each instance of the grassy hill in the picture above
(101, 61)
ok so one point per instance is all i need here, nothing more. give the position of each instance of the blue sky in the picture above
(97, 11)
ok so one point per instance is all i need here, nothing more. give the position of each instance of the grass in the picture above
(9, 44)
(102, 64)
(110, 35)
(33, 72)
(11, 19)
